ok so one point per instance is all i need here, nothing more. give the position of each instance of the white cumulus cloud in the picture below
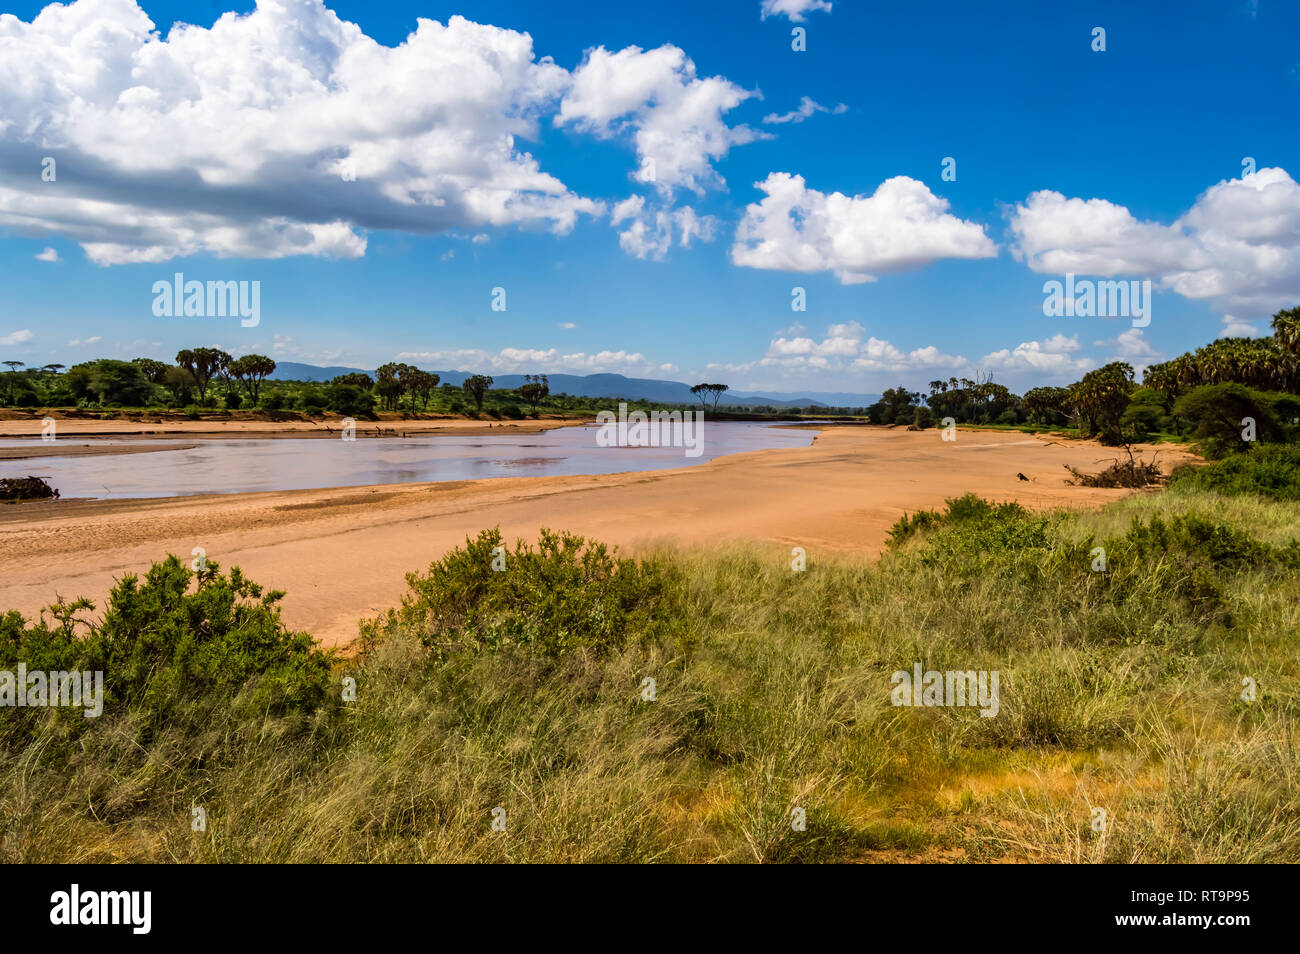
(1236, 328)
(286, 131)
(1054, 355)
(1237, 247)
(674, 117)
(650, 233)
(847, 348)
(902, 225)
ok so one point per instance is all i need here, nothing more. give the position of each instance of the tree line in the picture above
(204, 377)
(1227, 395)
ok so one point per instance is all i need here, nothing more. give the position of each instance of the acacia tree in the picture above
(1047, 405)
(409, 377)
(476, 385)
(424, 384)
(203, 363)
(49, 373)
(13, 367)
(153, 370)
(179, 382)
(896, 406)
(387, 386)
(534, 389)
(1218, 410)
(355, 378)
(703, 391)
(251, 370)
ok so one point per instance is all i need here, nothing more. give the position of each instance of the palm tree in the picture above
(1286, 331)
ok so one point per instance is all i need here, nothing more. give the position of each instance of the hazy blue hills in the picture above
(604, 385)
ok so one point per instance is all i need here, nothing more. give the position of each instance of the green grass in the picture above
(1120, 690)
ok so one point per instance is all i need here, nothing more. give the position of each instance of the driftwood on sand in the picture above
(25, 488)
(1133, 472)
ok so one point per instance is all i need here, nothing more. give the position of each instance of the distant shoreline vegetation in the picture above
(1226, 397)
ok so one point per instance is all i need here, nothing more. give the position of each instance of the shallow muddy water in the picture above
(229, 466)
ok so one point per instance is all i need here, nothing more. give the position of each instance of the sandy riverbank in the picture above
(68, 448)
(341, 554)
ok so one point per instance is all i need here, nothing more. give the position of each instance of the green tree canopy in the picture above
(476, 386)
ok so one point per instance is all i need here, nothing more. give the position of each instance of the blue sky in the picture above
(379, 196)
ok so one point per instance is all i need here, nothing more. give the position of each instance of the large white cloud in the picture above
(283, 132)
(674, 117)
(1238, 246)
(902, 225)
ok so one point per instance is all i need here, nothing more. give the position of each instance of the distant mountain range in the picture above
(605, 386)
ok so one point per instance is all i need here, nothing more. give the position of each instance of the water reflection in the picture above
(247, 466)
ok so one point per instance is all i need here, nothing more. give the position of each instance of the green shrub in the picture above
(1184, 562)
(162, 643)
(311, 399)
(1269, 470)
(350, 400)
(1217, 412)
(566, 594)
(974, 524)
(1146, 416)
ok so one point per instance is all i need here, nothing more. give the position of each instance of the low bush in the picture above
(566, 594)
(163, 644)
(1271, 471)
